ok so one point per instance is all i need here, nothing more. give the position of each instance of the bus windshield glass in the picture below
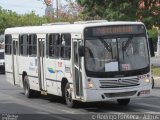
(121, 53)
(1, 55)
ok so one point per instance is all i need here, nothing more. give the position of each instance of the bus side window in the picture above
(66, 46)
(75, 53)
(53, 45)
(32, 45)
(57, 46)
(47, 45)
(24, 45)
(8, 40)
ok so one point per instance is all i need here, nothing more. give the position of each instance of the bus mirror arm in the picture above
(81, 51)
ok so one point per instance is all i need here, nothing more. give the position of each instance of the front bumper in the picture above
(113, 94)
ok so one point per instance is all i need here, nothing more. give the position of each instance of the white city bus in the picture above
(85, 61)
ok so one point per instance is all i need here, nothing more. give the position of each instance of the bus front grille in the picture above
(119, 83)
(120, 94)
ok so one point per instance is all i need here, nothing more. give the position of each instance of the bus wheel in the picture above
(27, 91)
(123, 101)
(68, 96)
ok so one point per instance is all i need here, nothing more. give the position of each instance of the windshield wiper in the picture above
(127, 43)
(107, 46)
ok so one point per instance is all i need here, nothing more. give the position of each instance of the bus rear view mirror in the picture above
(81, 51)
(151, 47)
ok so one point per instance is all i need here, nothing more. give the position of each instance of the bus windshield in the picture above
(111, 54)
(1, 55)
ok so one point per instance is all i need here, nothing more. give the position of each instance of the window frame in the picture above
(68, 46)
(8, 44)
(22, 45)
(32, 45)
(54, 46)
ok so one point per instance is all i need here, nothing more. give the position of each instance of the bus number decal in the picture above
(125, 67)
(142, 76)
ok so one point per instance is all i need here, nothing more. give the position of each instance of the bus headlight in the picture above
(147, 81)
(90, 84)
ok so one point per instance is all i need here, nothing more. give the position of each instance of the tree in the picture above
(109, 9)
(123, 10)
(149, 12)
(9, 19)
(69, 12)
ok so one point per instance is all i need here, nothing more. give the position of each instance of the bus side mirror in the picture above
(81, 51)
(151, 47)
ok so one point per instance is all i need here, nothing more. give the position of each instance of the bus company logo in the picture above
(58, 72)
(51, 70)
(119, 81)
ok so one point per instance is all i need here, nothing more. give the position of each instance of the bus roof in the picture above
(64, 28)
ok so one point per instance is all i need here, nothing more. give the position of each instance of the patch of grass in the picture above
(156, 71)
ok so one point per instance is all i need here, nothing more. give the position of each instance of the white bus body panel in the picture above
(9, 69)
(29, 65)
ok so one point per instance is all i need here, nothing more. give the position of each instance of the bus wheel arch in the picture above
(68, 97)
(63, 84)
(23, 76)
(26, 86)
(66, 93)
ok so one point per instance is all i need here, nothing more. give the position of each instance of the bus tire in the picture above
(27, 91)
(123, 101)
(68, 97)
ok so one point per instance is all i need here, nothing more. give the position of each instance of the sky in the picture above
(26, 6)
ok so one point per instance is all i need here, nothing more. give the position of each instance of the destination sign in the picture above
(114, 30)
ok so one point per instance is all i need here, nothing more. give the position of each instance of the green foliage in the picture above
(109, 9)
(12, 19)
(9, 19)
(122, 10)
(156, 71)
(153, 33)
(150, 13)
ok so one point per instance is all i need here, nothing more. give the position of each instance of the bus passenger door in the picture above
(77, 72)
(41, 64)
(15, 60)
